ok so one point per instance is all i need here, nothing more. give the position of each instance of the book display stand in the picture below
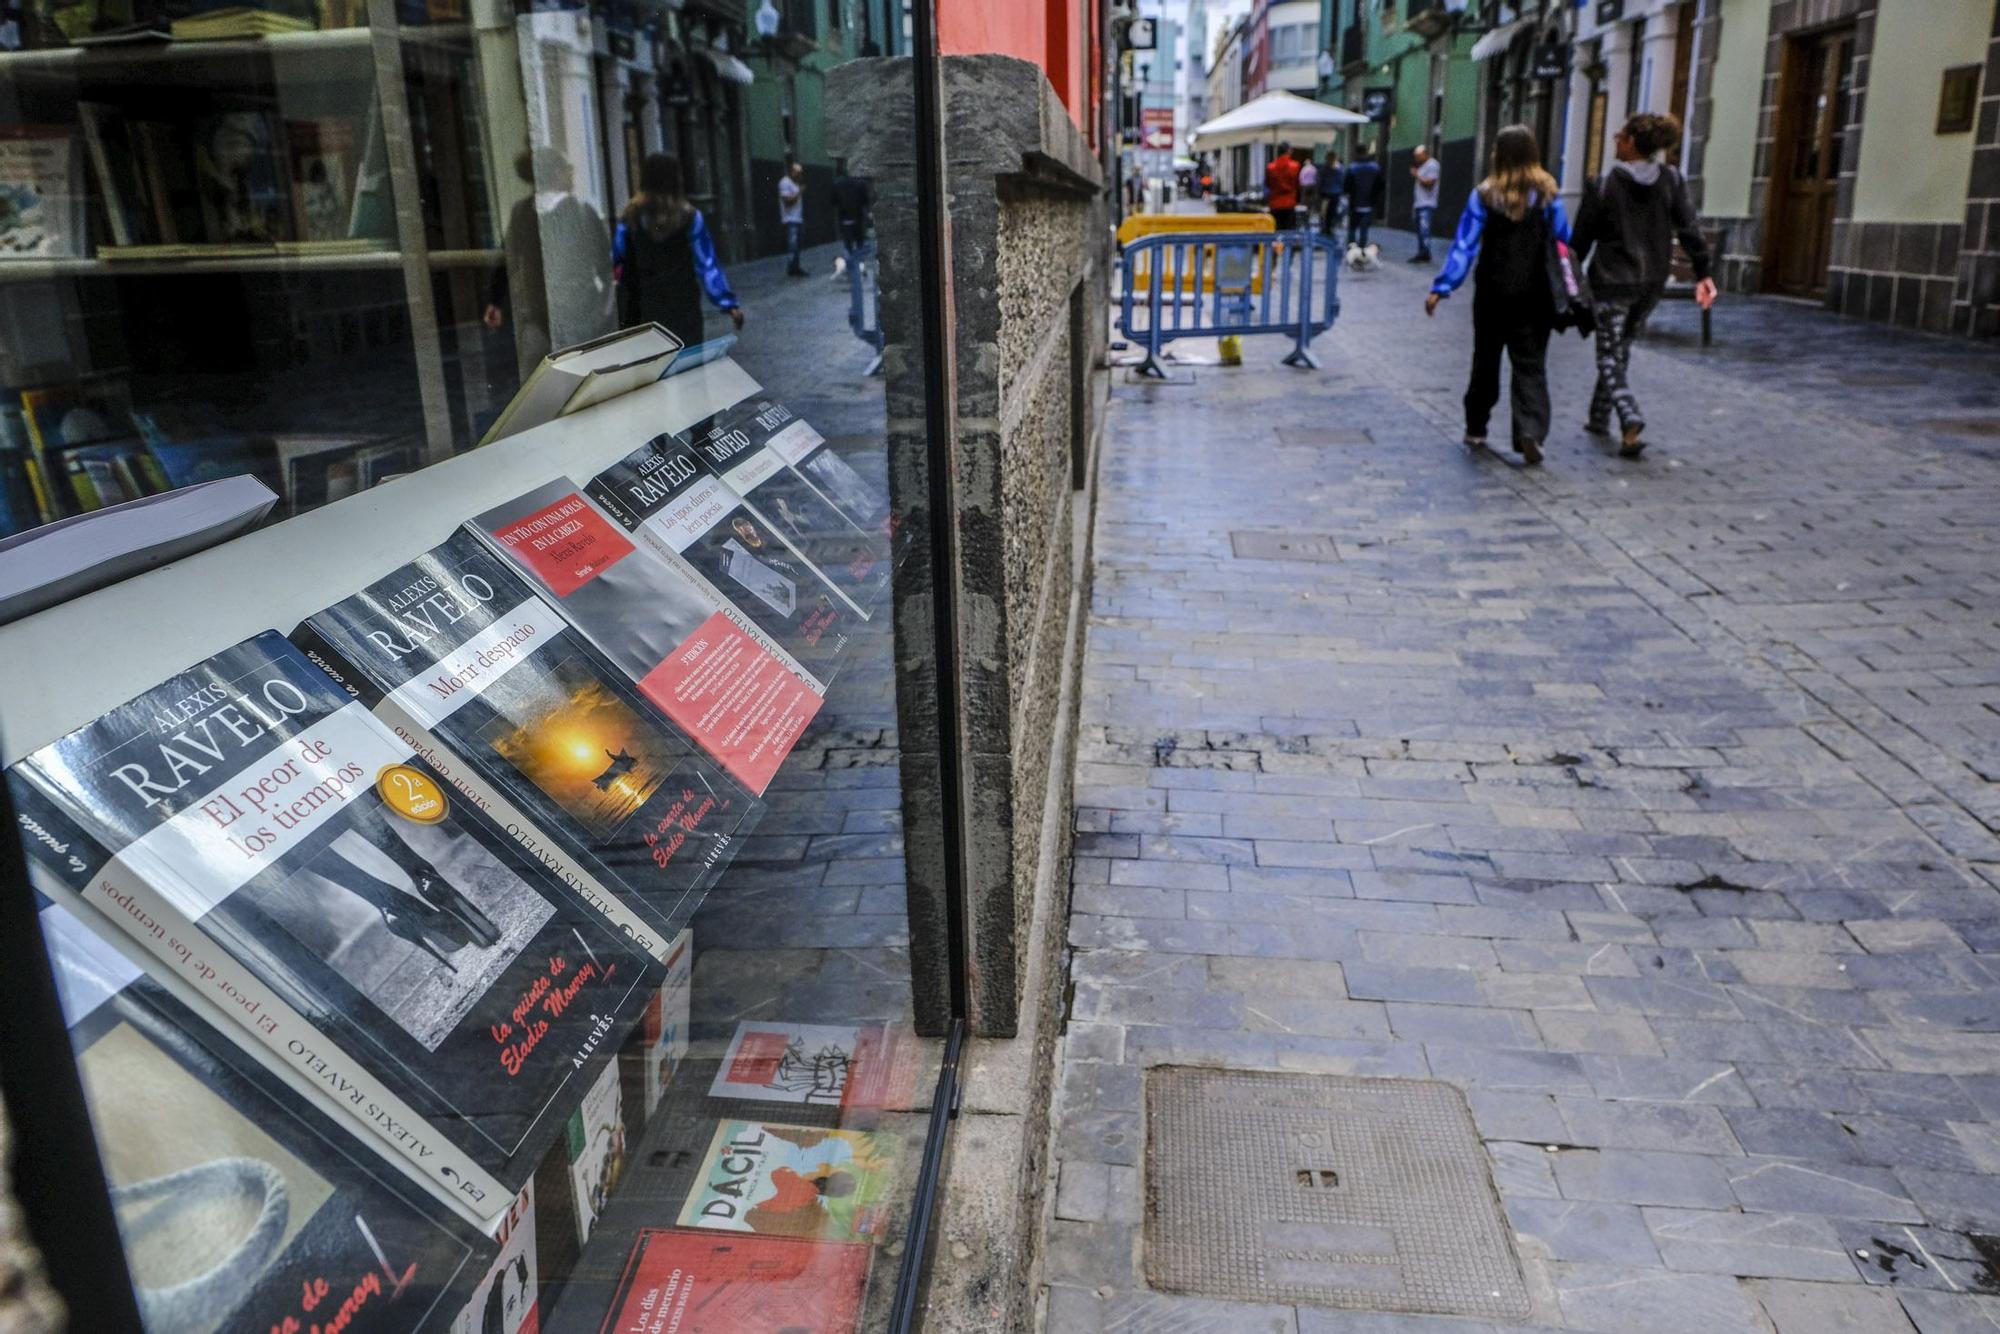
(381, 857)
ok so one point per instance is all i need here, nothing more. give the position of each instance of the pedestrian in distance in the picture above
(1363, 185)
(1329, 194)
(1505, 241)
(1308, 187)
(665, 258)
(1625, 230)
(1281, 188)
(1424, 174)
(792, 212)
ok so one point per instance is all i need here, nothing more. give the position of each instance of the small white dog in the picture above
(1361, 259)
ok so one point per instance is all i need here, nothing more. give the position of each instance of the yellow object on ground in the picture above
(1232, 349)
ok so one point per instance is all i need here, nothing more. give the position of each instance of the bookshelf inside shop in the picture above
(216, 227)
(733, 1109)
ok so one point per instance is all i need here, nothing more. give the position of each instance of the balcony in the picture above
(1429, 18)
(797, 30)
(1353, 48)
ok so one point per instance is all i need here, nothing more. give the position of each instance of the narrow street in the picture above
(1649, 802)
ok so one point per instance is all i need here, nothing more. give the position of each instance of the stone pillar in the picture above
(1975, 301)
(1620, 68)
(1577, 132)
(1656, 69)
(1029, 243)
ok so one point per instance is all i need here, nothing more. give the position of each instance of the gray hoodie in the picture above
(1627, 226)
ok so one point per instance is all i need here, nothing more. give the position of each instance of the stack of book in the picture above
(238, 21)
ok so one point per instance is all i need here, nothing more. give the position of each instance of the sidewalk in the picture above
(1643, 801)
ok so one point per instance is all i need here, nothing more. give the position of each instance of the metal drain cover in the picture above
(1253, 545)
(1368, 1194)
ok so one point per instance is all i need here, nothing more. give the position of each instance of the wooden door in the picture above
(1813, 108)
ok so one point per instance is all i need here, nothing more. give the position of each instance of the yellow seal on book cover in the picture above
(412, 794)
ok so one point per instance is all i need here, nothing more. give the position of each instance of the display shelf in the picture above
(25, 270)
(72, 663)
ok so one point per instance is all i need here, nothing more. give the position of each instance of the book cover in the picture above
(507, 1300)
(266, 840)
(665, 1027)
(752, 447)
(596, 1145)
(238, 164)
(466, 660)
(41, 194)
(240, 1207)
(854, 1067)
(667, 495)
(793, 1181)
(712, 678)
(323, 158)
(701, 1282)
(115, 165)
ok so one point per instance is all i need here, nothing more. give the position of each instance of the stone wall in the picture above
(1975, 307)
(1028, 256)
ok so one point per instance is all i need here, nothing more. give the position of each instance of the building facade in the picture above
(1846, 151)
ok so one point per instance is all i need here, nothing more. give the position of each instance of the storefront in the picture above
(472, 897)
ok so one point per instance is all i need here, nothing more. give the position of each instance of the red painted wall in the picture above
(1058, 35)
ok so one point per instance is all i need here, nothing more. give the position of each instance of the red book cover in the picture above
(700, 668)
(690, 1281)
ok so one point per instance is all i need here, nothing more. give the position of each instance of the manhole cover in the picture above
(1370, 1194)
(1284, 546)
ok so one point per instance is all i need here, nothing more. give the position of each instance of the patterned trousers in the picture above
(1618, 326)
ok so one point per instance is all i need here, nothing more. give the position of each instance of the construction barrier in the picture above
(1140, 225)
(1217, 284)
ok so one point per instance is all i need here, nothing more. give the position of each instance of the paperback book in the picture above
(266, 840)
(793, 1181)
(752, 447)
(473, 666)
(691, 1281)
(596, 1145)
(665, 1026)
(666, 495)
(507, 1300)
(240, 1207)
(41, 194)
(852, 1067)
(716, 681)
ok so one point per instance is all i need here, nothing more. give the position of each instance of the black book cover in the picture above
(458, 646)
(240, 1207)
(667, 492)
(752, 447)
(266, 839)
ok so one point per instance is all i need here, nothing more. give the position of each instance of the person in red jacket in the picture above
(1281, 188)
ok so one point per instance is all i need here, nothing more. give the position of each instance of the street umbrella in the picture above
(1274, 117)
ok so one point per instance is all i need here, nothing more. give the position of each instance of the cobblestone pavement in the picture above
(1650, 803)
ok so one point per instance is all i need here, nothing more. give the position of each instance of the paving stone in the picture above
(1468, 1025)
(1582, 1230)
(1634, 1176)
(1530, 1117)
(1951, 1312)
(1652, 1301)
(1622, 1034)
(1507, 1069)
(1821, 1308)
(1672, 1127)
(1760, 1245)
(1672, 1079)
(1835, 1190)
(1523, 1170)
(1445, 986)
(1959, 1200)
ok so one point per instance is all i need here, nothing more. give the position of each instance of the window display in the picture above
(476, 887)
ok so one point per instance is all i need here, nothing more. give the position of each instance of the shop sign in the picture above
(1551, 60)
(1610, 11)
(1375, 102)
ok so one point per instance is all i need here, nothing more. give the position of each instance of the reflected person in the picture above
(557, 285)
(665, 257)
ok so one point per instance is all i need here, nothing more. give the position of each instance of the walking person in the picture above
(792, 212)
(665, 258)
(1505, 239)
(1329, 194)
(1308, 187)
(1424, 174)
(1363, 187)
(853, 204)
(1626, 229)
(1281, 189)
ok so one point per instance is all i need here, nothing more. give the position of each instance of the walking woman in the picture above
(1504, 239)
(1626, 227)
(665, 257)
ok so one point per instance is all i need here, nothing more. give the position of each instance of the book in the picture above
(664, 1029)
(779, 1180)
(42, 194)
(507, 1300)
(238, 164)
(751, 447)
(596, 1147)
(667, 496)
(237, 21)
(694, 1281)
(317, 468)
(324, 156)
(849, 1066)
(472, 665)
(584, 374)
(106, 475)
(240, 1206)
(115, 166)
(195, 448)
(265, 840)
(716, 682)
(67, 558)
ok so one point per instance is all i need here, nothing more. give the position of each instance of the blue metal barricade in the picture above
(1202, 285)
